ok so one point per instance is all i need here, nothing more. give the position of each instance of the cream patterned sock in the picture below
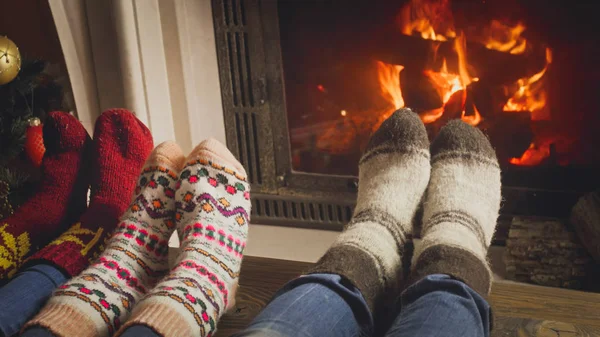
(213, 208)
(96, 302)
(461, 208)
(393, 175)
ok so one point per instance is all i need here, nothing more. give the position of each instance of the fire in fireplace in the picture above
(304, 84)
(348, 66)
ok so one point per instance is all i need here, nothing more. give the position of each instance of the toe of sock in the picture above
(403, 129)
(458, 136)
(167, 154)
(121, 132)
(216, 151)
(63, 133)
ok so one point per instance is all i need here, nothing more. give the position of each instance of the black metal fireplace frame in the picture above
(254, 110)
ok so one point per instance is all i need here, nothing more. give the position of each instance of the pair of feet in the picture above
(205, 197)
(457, 181)
(72, 163)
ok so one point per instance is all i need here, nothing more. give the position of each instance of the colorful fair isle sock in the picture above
(461, 208)
(61, 197)
(213, 207)
(393, 175)
(95, 303)
(120, 148)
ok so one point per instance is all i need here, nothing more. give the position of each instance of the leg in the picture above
(440, 305)
(121, 146)
(314, 305)
(95, 303)
(60, 198)
(368, 258)
(450, 275)
(25, 294)
(212, 216)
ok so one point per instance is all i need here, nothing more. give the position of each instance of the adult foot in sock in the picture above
(121, 145)
(213, 208)
(460, 209)
(60, 199)
(95, 303)
(393, 175)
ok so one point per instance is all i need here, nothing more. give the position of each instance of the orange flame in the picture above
(389, 84)
(421, 18)
(504, 38)
(531, 95)
(446, 84)
(533, 156)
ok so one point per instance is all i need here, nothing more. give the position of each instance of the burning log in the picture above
(418, 91)
(585, 217)
(496, 67)
(547, 252)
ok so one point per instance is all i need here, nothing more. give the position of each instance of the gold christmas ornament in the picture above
(10, 60)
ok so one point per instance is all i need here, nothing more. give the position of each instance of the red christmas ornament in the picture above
(34, 141)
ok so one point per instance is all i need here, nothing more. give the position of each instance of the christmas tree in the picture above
(32, 94)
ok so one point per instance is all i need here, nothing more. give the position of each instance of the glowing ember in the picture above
(343, 113)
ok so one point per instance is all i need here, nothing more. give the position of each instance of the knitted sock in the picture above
(393, 175)
(61, 195)
(121, 145)
(102, 296)
(213, 207)
(461, 208)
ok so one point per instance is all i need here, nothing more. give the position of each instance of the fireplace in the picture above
(304, 84)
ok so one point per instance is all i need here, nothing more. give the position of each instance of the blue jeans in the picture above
(24, 296)
(326, 305)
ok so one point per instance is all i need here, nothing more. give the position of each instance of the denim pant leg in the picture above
(439, 305)
(311, 306)
(25, 294)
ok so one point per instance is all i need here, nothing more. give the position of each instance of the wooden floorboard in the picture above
(520, 310)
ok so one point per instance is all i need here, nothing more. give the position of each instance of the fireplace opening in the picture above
(522, 71)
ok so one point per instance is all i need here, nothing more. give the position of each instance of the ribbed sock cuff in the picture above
(456, 262)
(161, 318)
(64, 321)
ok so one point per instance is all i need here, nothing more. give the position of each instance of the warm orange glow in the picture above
(431, 116)
(418, 17)
(389, 83)
(446, 84)
(504, 38)
(343, 113)
(533, 156)
(433, 20)
(531, 95)
(472, 119)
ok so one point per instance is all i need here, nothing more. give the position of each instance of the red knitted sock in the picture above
(121, 145)
(61, 197)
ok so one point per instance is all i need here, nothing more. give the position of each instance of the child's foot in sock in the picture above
(393, 176)
(213, 208)
(460, 209)
(61, 195)
(120, 148)
(96, 302)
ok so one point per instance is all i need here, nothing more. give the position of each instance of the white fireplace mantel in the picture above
(158, 58)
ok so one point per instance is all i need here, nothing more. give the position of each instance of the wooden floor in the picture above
(520, 310)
